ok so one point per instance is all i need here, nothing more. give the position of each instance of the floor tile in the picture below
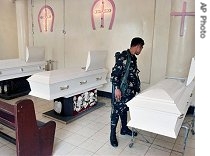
(157, 152)
(75, 139)
(62, 148)
(79, 152)
(6, 151)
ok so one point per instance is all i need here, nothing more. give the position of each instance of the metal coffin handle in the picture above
(98, 78)
(181, 116)
(83, 82)
(63, 88)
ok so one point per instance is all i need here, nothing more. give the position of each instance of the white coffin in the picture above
(65, 82)
(161, 108)
(14, 68)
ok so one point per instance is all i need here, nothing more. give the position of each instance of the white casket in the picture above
(65, 82)
(161, 108)
(14, 68)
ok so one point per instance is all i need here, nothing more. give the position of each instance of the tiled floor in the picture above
(89, 136)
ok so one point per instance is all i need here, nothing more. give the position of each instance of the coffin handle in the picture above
(83, 82)
(63, 88)
(181, 116)
(98, 78)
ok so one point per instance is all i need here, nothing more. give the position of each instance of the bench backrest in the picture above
(33, 137)
(27, 130)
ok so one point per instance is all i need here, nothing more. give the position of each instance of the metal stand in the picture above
(189, 126)
(193, 124)
(185, 135)
(133, 137)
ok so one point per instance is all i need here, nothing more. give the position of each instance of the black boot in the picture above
(114, 121)
(113, 138)
(124, 129)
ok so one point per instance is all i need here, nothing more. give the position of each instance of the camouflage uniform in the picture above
(119, 108)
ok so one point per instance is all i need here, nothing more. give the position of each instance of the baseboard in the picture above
(104, 94)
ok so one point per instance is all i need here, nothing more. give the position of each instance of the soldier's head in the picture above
(136, 46)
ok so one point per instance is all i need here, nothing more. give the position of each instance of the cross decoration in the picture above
(183, 14)
(46, 18)
(102, 11)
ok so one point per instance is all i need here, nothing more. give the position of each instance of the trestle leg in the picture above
(187, 129)
(133, 137)
(193, 125)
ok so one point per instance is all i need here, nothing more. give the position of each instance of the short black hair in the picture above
(136, 41)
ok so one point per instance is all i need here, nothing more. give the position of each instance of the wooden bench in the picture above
(33, 138)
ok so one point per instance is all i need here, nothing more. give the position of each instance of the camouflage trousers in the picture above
(119, 109)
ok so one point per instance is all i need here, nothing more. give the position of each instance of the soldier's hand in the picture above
(118, 94)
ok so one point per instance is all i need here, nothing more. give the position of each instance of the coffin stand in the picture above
(71, 89)
(13, 75)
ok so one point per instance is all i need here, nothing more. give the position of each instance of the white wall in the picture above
(8, 30)
(22, 27)
(181, 46)
(160, 40)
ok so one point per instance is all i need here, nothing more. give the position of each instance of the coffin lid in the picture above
(167, 90)
(55, 76)
(15, 63)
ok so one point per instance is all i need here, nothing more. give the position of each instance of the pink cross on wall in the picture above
(183, 14)
(46, 18)
(98, 7)
(102, 11)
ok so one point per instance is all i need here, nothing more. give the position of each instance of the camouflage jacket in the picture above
(119, 70)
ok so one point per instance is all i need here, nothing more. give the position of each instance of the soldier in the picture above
(121, 94)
